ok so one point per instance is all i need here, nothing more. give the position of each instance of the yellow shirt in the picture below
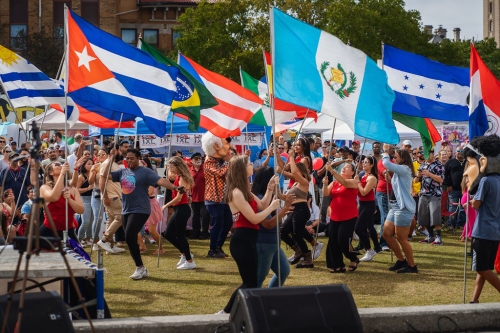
(416, 185)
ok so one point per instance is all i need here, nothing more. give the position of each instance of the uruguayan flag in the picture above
(25, 84)
(426, 88)
(316, 70)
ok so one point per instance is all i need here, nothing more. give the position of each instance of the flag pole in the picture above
(270, 88)
(66, 41)
(466, 228)
(166, 164)
(13, 109)
(326, 175)
(246, 127)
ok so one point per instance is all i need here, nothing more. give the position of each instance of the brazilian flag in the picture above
(191, 97)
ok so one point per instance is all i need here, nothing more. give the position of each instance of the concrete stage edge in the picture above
(389, 320)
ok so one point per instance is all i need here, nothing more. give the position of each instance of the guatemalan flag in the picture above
(316, 70)
(484, 118)
(426, 88)
(106, 74)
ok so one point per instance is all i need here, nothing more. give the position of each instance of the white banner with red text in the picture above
(192, 140)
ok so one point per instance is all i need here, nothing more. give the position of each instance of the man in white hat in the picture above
(407, 145)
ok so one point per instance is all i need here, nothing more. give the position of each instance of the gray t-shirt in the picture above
(487, 224)
(135, 185)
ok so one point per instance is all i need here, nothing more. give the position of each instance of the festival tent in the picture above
(54, 120)
(180, 126)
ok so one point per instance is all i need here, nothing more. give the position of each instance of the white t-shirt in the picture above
(314, 212)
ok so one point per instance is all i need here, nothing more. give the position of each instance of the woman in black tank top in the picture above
(85, 185)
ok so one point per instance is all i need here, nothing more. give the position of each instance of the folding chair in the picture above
(446, 215)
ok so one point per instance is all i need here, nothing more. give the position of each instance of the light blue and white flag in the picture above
(316, 70)
(25, 84)
(426, 88)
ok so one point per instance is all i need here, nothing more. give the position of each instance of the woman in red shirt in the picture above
(366, 196)
(244, 206)
(176, 227)
(344, 214)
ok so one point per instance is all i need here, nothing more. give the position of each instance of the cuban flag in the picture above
(484, 113)
(316, 70)
(106, 74)
(425, 88)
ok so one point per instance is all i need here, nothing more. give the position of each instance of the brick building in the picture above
(127, 19)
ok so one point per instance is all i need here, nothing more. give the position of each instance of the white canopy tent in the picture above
(54, 120)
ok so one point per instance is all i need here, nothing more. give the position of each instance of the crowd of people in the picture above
(404, 190)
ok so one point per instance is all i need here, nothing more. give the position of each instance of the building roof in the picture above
(436, 39)
(172, 2)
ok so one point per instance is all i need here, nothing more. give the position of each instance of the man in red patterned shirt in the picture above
(215, 170)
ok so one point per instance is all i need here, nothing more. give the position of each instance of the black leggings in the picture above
(176, 229)
(243, 249)
(47, 232)
(295, 224)
(364, 223)
(339, 243)
(132, 224)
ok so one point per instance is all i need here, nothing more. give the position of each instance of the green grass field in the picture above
(206, 289)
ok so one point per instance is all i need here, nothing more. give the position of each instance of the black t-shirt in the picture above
(453, 173)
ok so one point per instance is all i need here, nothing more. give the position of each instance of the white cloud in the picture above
(464, 14)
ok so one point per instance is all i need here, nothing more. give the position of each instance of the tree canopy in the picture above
(232, 33)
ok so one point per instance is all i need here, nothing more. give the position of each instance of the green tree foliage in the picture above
(41, 49)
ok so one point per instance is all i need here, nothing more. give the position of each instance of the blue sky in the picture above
(464, 14)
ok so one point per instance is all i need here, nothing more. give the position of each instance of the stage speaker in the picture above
(317, 309)
(44, 311)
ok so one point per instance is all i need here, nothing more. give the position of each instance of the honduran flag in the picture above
(237, 105)
(484, 105)
(316, 70)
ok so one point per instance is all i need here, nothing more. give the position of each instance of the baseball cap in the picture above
(407, 143)
(344, 148)
(144, 152)
(195, 155)
(327, 140)
(13, 154)
(356, 141)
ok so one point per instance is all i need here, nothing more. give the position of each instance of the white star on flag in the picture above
(84, 59)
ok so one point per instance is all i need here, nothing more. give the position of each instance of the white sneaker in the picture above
(187, 265)
(183, 259)
(355, 237)
(317, 250)
(290, 258)
(321, 234)
(95, 247)
(425, 233)
(105, 246)
(117, 249)
(151, 240)
(368, 255)
(84, 243)
(140, 272)
(386, 248)
(414, 233)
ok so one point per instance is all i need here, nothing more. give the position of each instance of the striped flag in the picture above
(237, 105)
(428, 132)
(106, 74)
(25, 84)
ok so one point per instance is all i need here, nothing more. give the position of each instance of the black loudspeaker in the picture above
(317, 309)
(44, 311)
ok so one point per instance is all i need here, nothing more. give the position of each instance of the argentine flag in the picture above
(425, 88)
(316, 70)
(484, 114)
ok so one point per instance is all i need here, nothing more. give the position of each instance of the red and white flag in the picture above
(237, 105)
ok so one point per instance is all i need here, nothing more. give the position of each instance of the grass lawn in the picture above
(205, 290)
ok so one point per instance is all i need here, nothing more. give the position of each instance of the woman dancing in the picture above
(344, 213)
(176, 227)
(244, 207)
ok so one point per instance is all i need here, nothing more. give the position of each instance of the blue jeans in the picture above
(96, 204)
(85, 230)
(268, 259)
(383, 208)
(458, 218)
(222, 221)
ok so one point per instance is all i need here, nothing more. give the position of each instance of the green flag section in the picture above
(428, 132)
(199, 96)
(283, 111)
(253, 85)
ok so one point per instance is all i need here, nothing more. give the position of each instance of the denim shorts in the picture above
(400, 217)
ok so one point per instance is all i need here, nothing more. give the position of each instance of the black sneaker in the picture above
(195, 235)
(398, 265)
(215, 254)
(378, 249)
(408, 269)
(222, 252)
(204, 236)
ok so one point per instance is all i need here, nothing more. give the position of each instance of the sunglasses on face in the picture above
(460, 151)
(57, 164)
(281, 147)
(8, 151)
(2, 141)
